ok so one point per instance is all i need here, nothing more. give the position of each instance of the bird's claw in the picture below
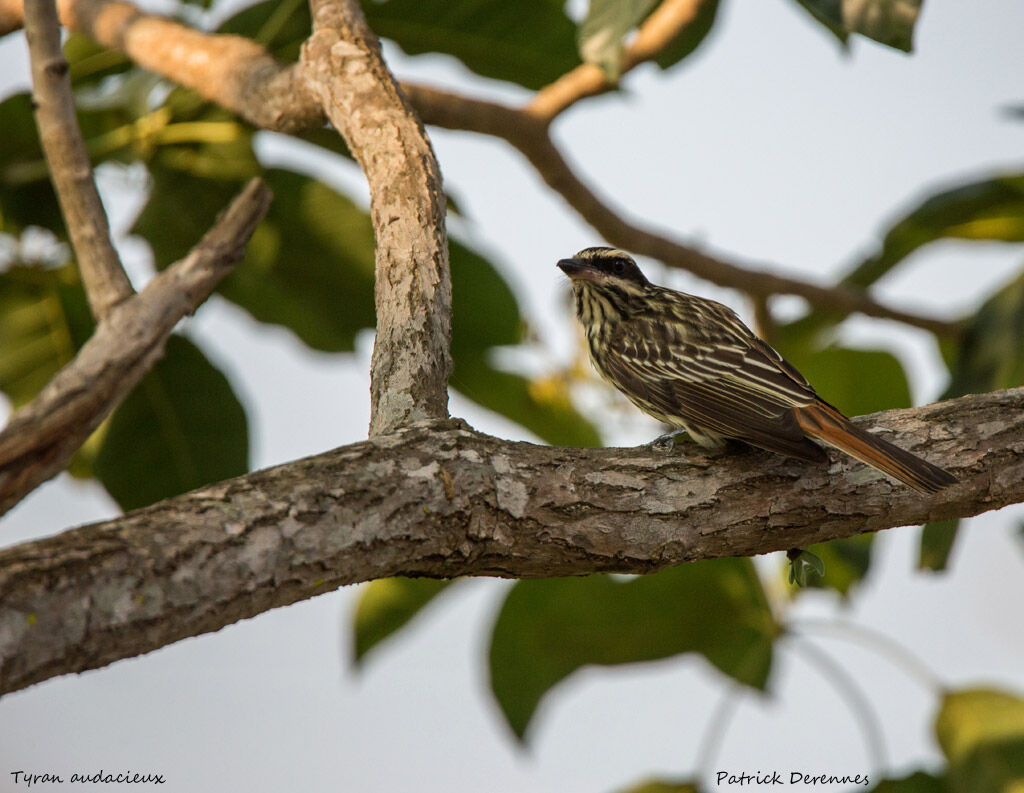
(666, 442)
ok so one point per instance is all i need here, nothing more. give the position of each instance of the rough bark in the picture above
(106, 283)
(441, 500)
(411, 360)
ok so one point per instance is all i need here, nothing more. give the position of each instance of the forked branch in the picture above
(39, 439)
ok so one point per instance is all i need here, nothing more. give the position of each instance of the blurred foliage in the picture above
(989, 209)
(889, 22)
(607, 23)
(603, 28)
(981, 732)
(690, 37)
(549, 628)
(181, 427)
(387, 604)
(840, 373)
(936, 544)
(918, 782)
(26, 196)
(531, 44)
(985, 358)
(660, 786)
(989, 356)
(44, 319)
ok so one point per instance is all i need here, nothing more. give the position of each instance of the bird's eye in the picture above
(619, 267)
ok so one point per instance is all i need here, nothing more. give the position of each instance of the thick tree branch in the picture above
(41, 437)
(232, 71)
(411, 359)
(441, 500)
(106, 283)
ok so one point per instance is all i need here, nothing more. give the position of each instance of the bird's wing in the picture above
(715, 375)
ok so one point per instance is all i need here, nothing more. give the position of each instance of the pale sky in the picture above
(770, 145)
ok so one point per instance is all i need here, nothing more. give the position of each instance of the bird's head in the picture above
(607, 283)
(604, 267)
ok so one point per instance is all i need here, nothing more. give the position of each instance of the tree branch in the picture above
(241, 76)
(106, 283)
(532, 138)
(411, 359)
(232, 71)
(41, 437)
(664, 24)
(441, 500)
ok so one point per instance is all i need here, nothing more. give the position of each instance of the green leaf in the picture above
(531, 44)
(989, 356)
(549, 628)
(278, 25)
(889, 22)
(990, 209)
(936, 543)
(829, 14)
(660, 786)
(182, 427)
(26, 195)
(90, 62)
(601, 32)
(845, 561)
(309, 266)
(691, 36)
(386, 605)
(527, 43)
(918, 782)
(981, 732)
(855, 381)
(44, 319)
(805, 568)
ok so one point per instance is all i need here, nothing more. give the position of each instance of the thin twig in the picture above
(41, 437)
(714, 734)
(106, 283)
(764, 323)
(659, 29)
(858, 703)
(885, 646)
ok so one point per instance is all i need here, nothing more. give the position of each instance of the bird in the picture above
(691, 363)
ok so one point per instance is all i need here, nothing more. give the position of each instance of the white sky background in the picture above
(770, 145)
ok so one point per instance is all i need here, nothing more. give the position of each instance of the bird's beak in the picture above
(579, 270)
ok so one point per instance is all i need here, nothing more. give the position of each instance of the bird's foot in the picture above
(666, 442)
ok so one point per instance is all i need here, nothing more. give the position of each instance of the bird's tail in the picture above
(825, 423)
